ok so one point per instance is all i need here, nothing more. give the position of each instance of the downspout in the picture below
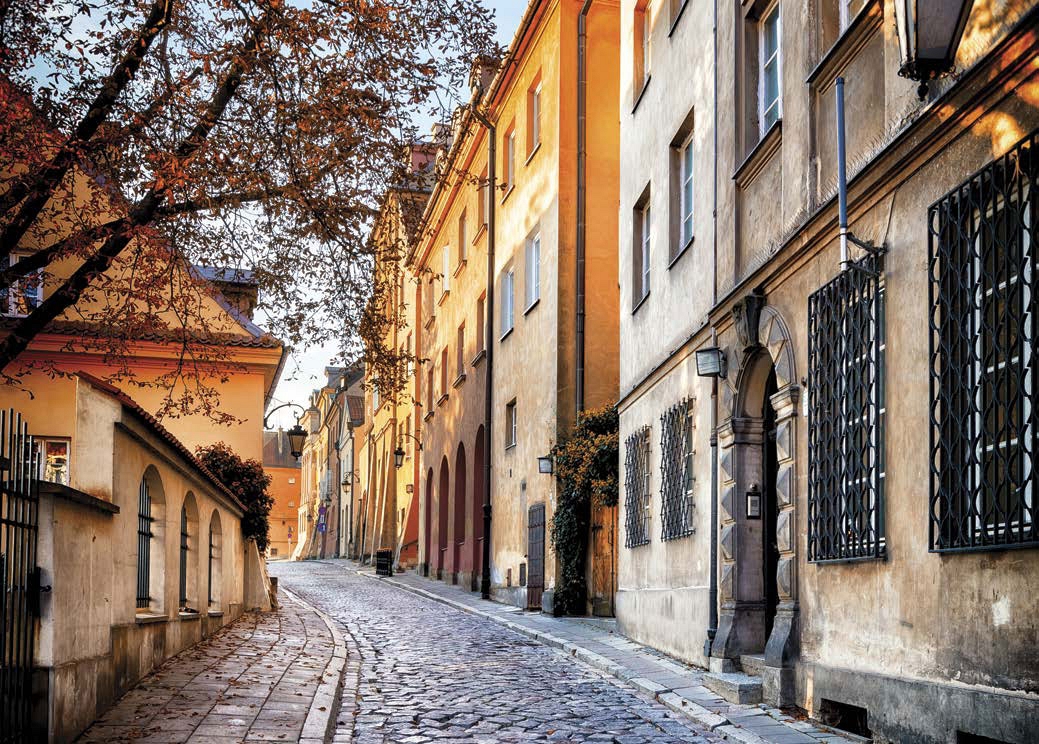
(492, 158)
(712, 618)
(582, 196)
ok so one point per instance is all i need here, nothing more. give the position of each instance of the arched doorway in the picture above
(427, 525)
(443, 499)
(458, 513)
(477, 508)
(757, 510)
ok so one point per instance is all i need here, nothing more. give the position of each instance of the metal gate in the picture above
(19, 577)
(535, 556)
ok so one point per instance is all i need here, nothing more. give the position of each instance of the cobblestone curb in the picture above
(711, 721)
(328, 702)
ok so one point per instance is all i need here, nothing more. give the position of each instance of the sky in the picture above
(305, 370)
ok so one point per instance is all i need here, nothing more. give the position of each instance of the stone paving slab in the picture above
(678, 686)
(266, 677)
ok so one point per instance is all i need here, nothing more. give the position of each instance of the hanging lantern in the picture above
(929, 33)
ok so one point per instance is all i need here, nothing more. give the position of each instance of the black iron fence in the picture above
(19, 576)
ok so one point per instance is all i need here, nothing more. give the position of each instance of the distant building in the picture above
(285, 488)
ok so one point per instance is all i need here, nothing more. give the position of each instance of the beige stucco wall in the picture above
(929, 644)
(93, 643)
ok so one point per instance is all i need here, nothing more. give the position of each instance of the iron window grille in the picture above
(144, 545)
(209, 568)
(676, 471)
(983, 329)
(846, 413)
(636, 489)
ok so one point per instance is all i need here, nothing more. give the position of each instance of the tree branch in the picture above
(45, 256)
(34, 191)
(142, 213)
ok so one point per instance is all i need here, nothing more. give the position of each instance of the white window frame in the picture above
(445, 282)
(535, 118)
(777, 56)
(9, 297)
(510, 160)
(688, 465)
(511, 426)
(508, 302)
(646, 231)
(43, 462)
(463, 236)
(977, 519)
(687, 203)
(532, 268)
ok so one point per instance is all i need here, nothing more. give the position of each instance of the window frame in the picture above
(774, 9)
(508, 301)
(532, 271)
(9, 297)
(511, 425)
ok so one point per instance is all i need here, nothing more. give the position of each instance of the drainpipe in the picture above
(582, 196)
(492, 157)
(842, 176)
(712, 618)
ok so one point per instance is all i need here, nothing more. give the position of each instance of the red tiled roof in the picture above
(160, 430)
(355, 407)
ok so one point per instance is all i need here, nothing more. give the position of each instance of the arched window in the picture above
(189, 557)
(215, 560)
(151, 530)
(183, 596)
(144, 545)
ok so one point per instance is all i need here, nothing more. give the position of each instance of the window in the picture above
(676, 471)
(533, 270)
(430, 298)
(510, 159)
(375, 396)
(983, 336)
(676, 9)
(443, 374)
(685, 193)
(25, 294)
(144, 545)
(640, 252)
(534, 116)
(429, 389)
(481, 320)
(463, 237)
(636, 489)
(507, 302)
(53, 456)
(769, 110)
(510, 424)
(183, 595)
(846, 416)
(445, 286)
(410, 357)
(641, 56)
(460, 356)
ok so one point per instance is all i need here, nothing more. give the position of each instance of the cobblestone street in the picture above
(433, 673)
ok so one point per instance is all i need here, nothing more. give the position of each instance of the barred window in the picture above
(636, 489)
(983, 331)
(676, 471)
(846, 416)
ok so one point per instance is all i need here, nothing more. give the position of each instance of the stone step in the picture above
(734, 687)
(753, 664)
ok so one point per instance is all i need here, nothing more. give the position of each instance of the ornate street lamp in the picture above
(398, 454)
(545, 464)
(297, 436)
(929, 32)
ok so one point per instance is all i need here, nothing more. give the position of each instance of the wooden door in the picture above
(603, 589)
(535, 556)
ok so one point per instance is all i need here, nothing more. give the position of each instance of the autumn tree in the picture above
(248, 481)
(139, 138)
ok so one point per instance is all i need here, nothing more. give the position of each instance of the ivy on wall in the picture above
(586, 468)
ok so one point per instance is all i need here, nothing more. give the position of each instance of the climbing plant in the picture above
(586, 468)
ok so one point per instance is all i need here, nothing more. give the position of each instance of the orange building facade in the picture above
(284, 470)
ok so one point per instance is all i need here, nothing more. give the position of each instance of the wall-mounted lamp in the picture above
(754, 502)
(711, 362)
(545, 464)
(398, 454)
(297, 436)
(929, 33)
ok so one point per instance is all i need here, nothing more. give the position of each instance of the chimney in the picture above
(481, 74)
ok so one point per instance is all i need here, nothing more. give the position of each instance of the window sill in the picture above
(759, 155)
(215, 613)
(641, 95)
(677, 18)
(147, 618)
(460, 266)
(510, 447)
(505, 335)
(640, 303)
(189, 615)
(428, 415)
(532, 305)
(429, 321)
(443, 297)
(458, 380)
(480, 356)
(860, 30)
(442, 399)
(508, 192)
(479, 233)
(532, 153)
(682, 252)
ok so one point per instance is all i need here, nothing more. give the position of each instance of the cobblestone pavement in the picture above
(251, 681)
(430, 673)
